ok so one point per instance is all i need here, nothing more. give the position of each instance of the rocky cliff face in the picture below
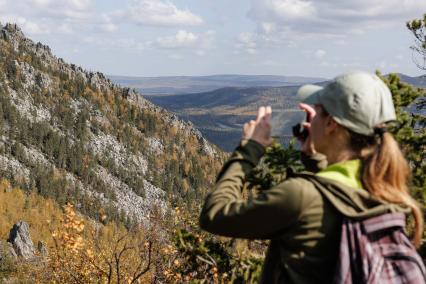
(75, 136)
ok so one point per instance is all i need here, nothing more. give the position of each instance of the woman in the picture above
(366, 172)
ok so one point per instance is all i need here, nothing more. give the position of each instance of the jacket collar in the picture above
(347, 172)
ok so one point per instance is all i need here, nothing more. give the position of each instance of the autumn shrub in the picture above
(199, 257)
(167, 248)
(86, 252)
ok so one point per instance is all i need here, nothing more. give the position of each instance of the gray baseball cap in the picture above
(359, 101)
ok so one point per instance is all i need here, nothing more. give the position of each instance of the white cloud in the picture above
(332, 17)
(80, 21)
(247, 38)
(50, 4)
(340, 42)
(319, 54)
(106, 24)
(31, 27)
(76, 9)
(251, 51)
(65, 29)
(55, 16)
(269, 62)
(181, 39)
(268, 27)
(200, 52)
(160, 13)
(207, 40)
(205, 43)
(122, 43)
(79, 4)
(278, 9)
(175, 56)
(34, 28)
(198, 44)
(291, 44)
(247, 42)
(108, 27)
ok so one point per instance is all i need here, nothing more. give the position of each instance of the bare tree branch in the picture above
(135, 278)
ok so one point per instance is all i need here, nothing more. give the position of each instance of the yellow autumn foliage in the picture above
(80, 250)
(40, 213)
(164, 249)
(85, 252)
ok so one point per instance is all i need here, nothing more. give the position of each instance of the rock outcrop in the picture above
(19, 246)
(20, 239)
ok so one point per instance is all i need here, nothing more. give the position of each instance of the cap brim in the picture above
(309, 94)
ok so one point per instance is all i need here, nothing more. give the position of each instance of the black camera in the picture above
(299, 131)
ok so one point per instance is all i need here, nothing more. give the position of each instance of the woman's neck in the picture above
(336, 156)
(337, 149)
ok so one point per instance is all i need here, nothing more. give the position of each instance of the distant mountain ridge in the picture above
(235, 97)
(171, 85)
(220, 113)
(418, 81)
(176, 85)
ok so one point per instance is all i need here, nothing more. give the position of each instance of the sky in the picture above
(317, 38)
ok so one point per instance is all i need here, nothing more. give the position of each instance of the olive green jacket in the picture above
(301, 216)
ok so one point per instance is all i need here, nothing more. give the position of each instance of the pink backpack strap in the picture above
(383, 222)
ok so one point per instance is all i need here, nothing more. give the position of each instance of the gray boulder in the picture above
(19, 237)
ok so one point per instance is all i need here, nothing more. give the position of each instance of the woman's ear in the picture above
(330, 125)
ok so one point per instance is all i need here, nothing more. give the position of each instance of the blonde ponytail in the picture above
(386, 173)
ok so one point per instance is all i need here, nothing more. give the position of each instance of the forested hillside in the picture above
(109, 184)
(74, 136)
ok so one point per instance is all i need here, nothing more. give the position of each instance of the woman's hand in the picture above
(259, 130)
(307, 146)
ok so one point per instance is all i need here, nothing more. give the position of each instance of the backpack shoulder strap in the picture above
(385, 221)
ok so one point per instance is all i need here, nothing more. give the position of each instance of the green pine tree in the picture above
(418, 28)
